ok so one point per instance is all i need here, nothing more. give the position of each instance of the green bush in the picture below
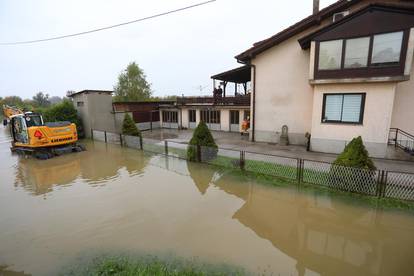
(202, 137)
(129, 127)
(355, 155)
(64, 111)
(354, 170)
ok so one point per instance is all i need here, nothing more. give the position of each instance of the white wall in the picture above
(403, 114)
(331, 137)
(283, 93)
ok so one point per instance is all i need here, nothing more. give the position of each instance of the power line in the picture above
(107, 27)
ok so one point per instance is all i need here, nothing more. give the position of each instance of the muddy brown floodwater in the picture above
(113, 199)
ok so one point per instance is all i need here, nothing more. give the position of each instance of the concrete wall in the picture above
(96, 111)
(331, 137)
(283, 93)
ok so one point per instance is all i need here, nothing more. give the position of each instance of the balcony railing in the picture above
(236, 101)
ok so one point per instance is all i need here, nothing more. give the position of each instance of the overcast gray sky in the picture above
(178, 52)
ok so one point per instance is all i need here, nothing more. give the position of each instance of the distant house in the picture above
(223, 112)
(344, 71)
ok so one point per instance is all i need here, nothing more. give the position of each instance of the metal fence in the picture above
(379, 183)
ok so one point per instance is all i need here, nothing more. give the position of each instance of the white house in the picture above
(342, 72)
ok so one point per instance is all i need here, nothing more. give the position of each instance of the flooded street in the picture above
(113, 199)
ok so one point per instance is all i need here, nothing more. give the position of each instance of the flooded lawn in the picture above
(113, 199)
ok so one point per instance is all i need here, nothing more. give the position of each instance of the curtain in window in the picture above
(333, 107)
(351, 110)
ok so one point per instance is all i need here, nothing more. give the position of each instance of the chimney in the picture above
(315, 6)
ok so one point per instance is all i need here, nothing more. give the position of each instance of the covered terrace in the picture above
(237, 76)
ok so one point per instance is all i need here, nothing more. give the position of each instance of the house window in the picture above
(210, 116)
(170, 117)
(234, 117)
(343, 108)
(330, 55)
(356, 52)
(192, 116)
(387, 48)
(79, 104)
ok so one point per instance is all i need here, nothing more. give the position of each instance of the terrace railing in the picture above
(243, 100)
(401, 139)
(378, 183)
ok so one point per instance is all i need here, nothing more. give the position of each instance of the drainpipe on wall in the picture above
(253, 115)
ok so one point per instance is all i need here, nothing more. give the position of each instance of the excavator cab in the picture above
(19, 130)
(20, 124)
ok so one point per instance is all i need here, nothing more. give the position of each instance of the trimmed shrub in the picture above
(355, 155)
(129, 127)
(202, 137)
(354, 170)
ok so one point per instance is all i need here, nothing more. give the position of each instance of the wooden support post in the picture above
(120, 139)
(106, 140)
(141, 143)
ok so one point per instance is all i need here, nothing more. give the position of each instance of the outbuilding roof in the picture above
(89, 91)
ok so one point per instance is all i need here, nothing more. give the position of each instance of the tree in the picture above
(64, 111)
(55, 100)
(132, 85)
(41, 99)
(202, 137)
(129, 127)
(13, 101)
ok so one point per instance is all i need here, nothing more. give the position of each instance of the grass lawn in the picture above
(151, 266)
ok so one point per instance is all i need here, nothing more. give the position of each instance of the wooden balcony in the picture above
(243, 100)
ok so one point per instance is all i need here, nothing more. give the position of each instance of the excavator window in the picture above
(20, 130)
(33, 120)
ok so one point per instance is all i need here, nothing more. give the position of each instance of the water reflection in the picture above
(99, 164)
(324, 235)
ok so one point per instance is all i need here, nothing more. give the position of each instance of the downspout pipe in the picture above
(248, 63)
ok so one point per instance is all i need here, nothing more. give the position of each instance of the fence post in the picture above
(91, 133)
(106, 140)
(140, 142)
(379, 185)
(242, 160)
(166, 147)
(120, 139)
(198, 153)
(298, 169)
(396, 137)
(384, 182)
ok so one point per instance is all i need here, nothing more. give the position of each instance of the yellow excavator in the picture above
(31, 135)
